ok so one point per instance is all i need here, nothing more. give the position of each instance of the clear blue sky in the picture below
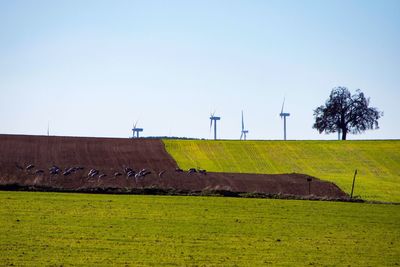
(92, 68)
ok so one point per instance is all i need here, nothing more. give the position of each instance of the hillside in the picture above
(151, 167)
(377, 162)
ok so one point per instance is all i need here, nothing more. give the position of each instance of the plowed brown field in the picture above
(111, 155)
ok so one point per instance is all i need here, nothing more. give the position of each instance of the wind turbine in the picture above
(244, 132)
(136, 130)
(214, 119)
(284, 115)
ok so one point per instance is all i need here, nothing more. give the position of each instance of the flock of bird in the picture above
(129, 172)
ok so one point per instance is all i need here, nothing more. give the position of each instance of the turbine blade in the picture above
(241, 136)
(283, 104)
(242, 121)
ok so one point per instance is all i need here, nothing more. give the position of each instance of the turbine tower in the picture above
(214, 119)
(136, 130)
(284, 115)
(244, 132)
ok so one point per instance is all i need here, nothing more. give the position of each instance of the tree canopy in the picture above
(346, 113)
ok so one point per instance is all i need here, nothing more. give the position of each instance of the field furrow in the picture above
(377, 162)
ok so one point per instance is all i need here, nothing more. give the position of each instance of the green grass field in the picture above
(80, 229)
(378, 162)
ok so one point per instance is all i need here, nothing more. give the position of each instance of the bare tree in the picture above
(346, 113)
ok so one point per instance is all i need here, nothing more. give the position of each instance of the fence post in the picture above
(352, 187)
(309, 185)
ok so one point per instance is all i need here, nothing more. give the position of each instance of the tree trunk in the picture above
(344, 134)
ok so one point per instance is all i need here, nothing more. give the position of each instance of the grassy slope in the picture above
(72, 229)
(378, 162)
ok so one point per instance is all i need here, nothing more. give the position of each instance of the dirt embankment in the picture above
(150, 165)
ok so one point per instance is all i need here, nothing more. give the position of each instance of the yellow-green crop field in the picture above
(377, 162)
(58, 229)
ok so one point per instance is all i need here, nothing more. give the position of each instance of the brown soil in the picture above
(111, 155)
